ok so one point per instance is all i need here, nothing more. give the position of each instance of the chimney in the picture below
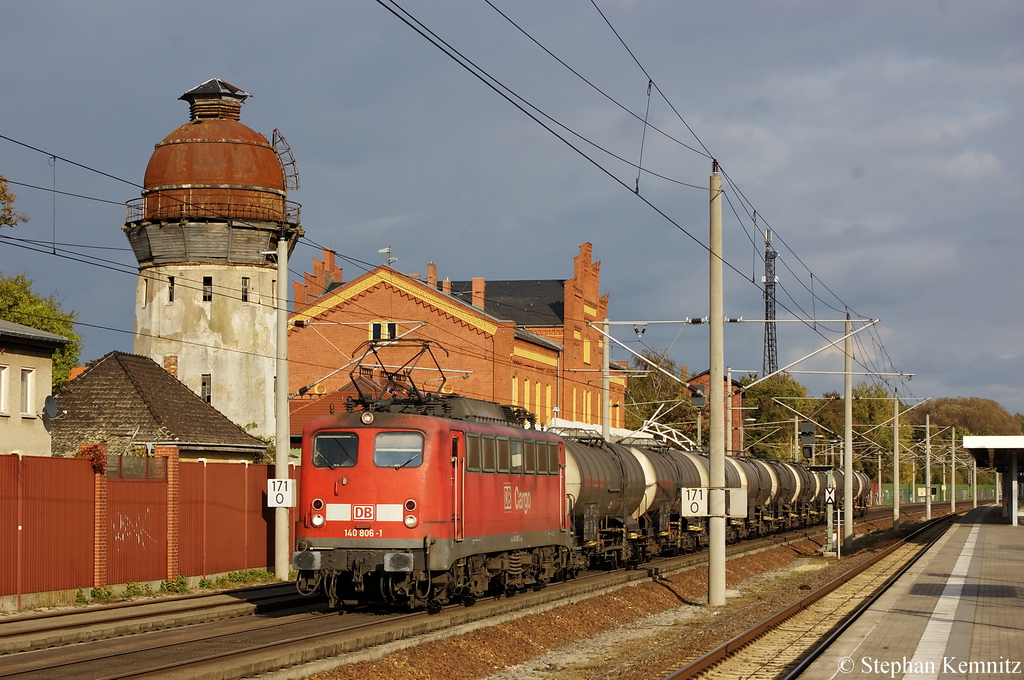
(432, 275)
(446, 287)
(478, 292)
(171, 364)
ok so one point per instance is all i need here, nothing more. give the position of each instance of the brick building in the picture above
(733, 392)
(525, 343)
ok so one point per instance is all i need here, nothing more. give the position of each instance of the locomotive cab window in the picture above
(516, 446)
(398, 449)
(473, 462)
(503, 455)
(335, 449)
(489, 453)
(551, 465)
(530, 456)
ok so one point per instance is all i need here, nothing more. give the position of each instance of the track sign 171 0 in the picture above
(695, 502)
(280, 493)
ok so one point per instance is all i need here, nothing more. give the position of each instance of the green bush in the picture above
(177, 585)
(80, 597)
(205, 583)
(101, 594)
(243, 577)
(137, 589)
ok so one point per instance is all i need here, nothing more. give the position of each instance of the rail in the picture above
(727, 649)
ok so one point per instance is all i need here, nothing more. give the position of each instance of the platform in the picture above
(958, 612)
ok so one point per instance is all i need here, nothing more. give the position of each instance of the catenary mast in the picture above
(771, 350)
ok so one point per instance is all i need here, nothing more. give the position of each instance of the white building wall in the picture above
(230, 339)
(23, 428)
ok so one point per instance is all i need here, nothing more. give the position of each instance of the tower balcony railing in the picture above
(226, 205)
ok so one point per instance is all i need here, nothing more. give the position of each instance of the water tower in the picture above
(205, 232)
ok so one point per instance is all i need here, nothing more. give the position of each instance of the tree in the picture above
(651, 389)
(970, 415)
(8, 216)
(19, 304)
(771, 434)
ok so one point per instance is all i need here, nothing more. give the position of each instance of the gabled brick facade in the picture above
(528, 344)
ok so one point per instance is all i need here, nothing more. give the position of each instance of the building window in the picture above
(207, 387)
(27, 390)
(170, 289)
(3, 389)
(245, 289)
(145, 291)
(207, 288)
(380, 330)
(586, 350)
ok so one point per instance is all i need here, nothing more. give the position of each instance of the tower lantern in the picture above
(205, 233)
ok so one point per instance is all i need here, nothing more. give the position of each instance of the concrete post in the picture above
(895, 459)
(952, 472)
(716, 401)
(1013, 487)
(606, 403)
(848, 439)
(928, 465)
(282, 433)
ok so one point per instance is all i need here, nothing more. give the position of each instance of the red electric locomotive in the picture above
(420, 499)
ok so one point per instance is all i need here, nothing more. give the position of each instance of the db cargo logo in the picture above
(362, 512)
(520, 500)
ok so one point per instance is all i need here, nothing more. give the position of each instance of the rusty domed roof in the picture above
(214, 166)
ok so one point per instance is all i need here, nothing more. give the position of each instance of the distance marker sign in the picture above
(280, 493)
(695, 502)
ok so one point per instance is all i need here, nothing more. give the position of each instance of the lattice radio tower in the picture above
(771, 348)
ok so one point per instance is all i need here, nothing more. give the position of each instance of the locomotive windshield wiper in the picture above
(414, 457)
(323, 459)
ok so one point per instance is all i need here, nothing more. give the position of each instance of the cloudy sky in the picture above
(880, 141)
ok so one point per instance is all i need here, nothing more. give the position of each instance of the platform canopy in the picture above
(995, 451)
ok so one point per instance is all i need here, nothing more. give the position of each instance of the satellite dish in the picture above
(50, 407)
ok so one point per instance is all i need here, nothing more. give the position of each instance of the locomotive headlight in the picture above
(317, 504)
(367, 417)
(317, 520)
(411, 521)
(410, 505)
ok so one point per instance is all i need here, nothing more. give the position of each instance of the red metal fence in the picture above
(63, 526)
(46, 517)
(225, 525)
(137, 534)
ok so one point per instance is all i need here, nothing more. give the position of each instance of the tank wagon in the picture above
(423, 501)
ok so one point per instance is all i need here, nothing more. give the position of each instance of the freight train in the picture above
(419, 502)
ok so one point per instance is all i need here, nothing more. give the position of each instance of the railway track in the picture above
(51, 629)
(246, 633)
(782, 645)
